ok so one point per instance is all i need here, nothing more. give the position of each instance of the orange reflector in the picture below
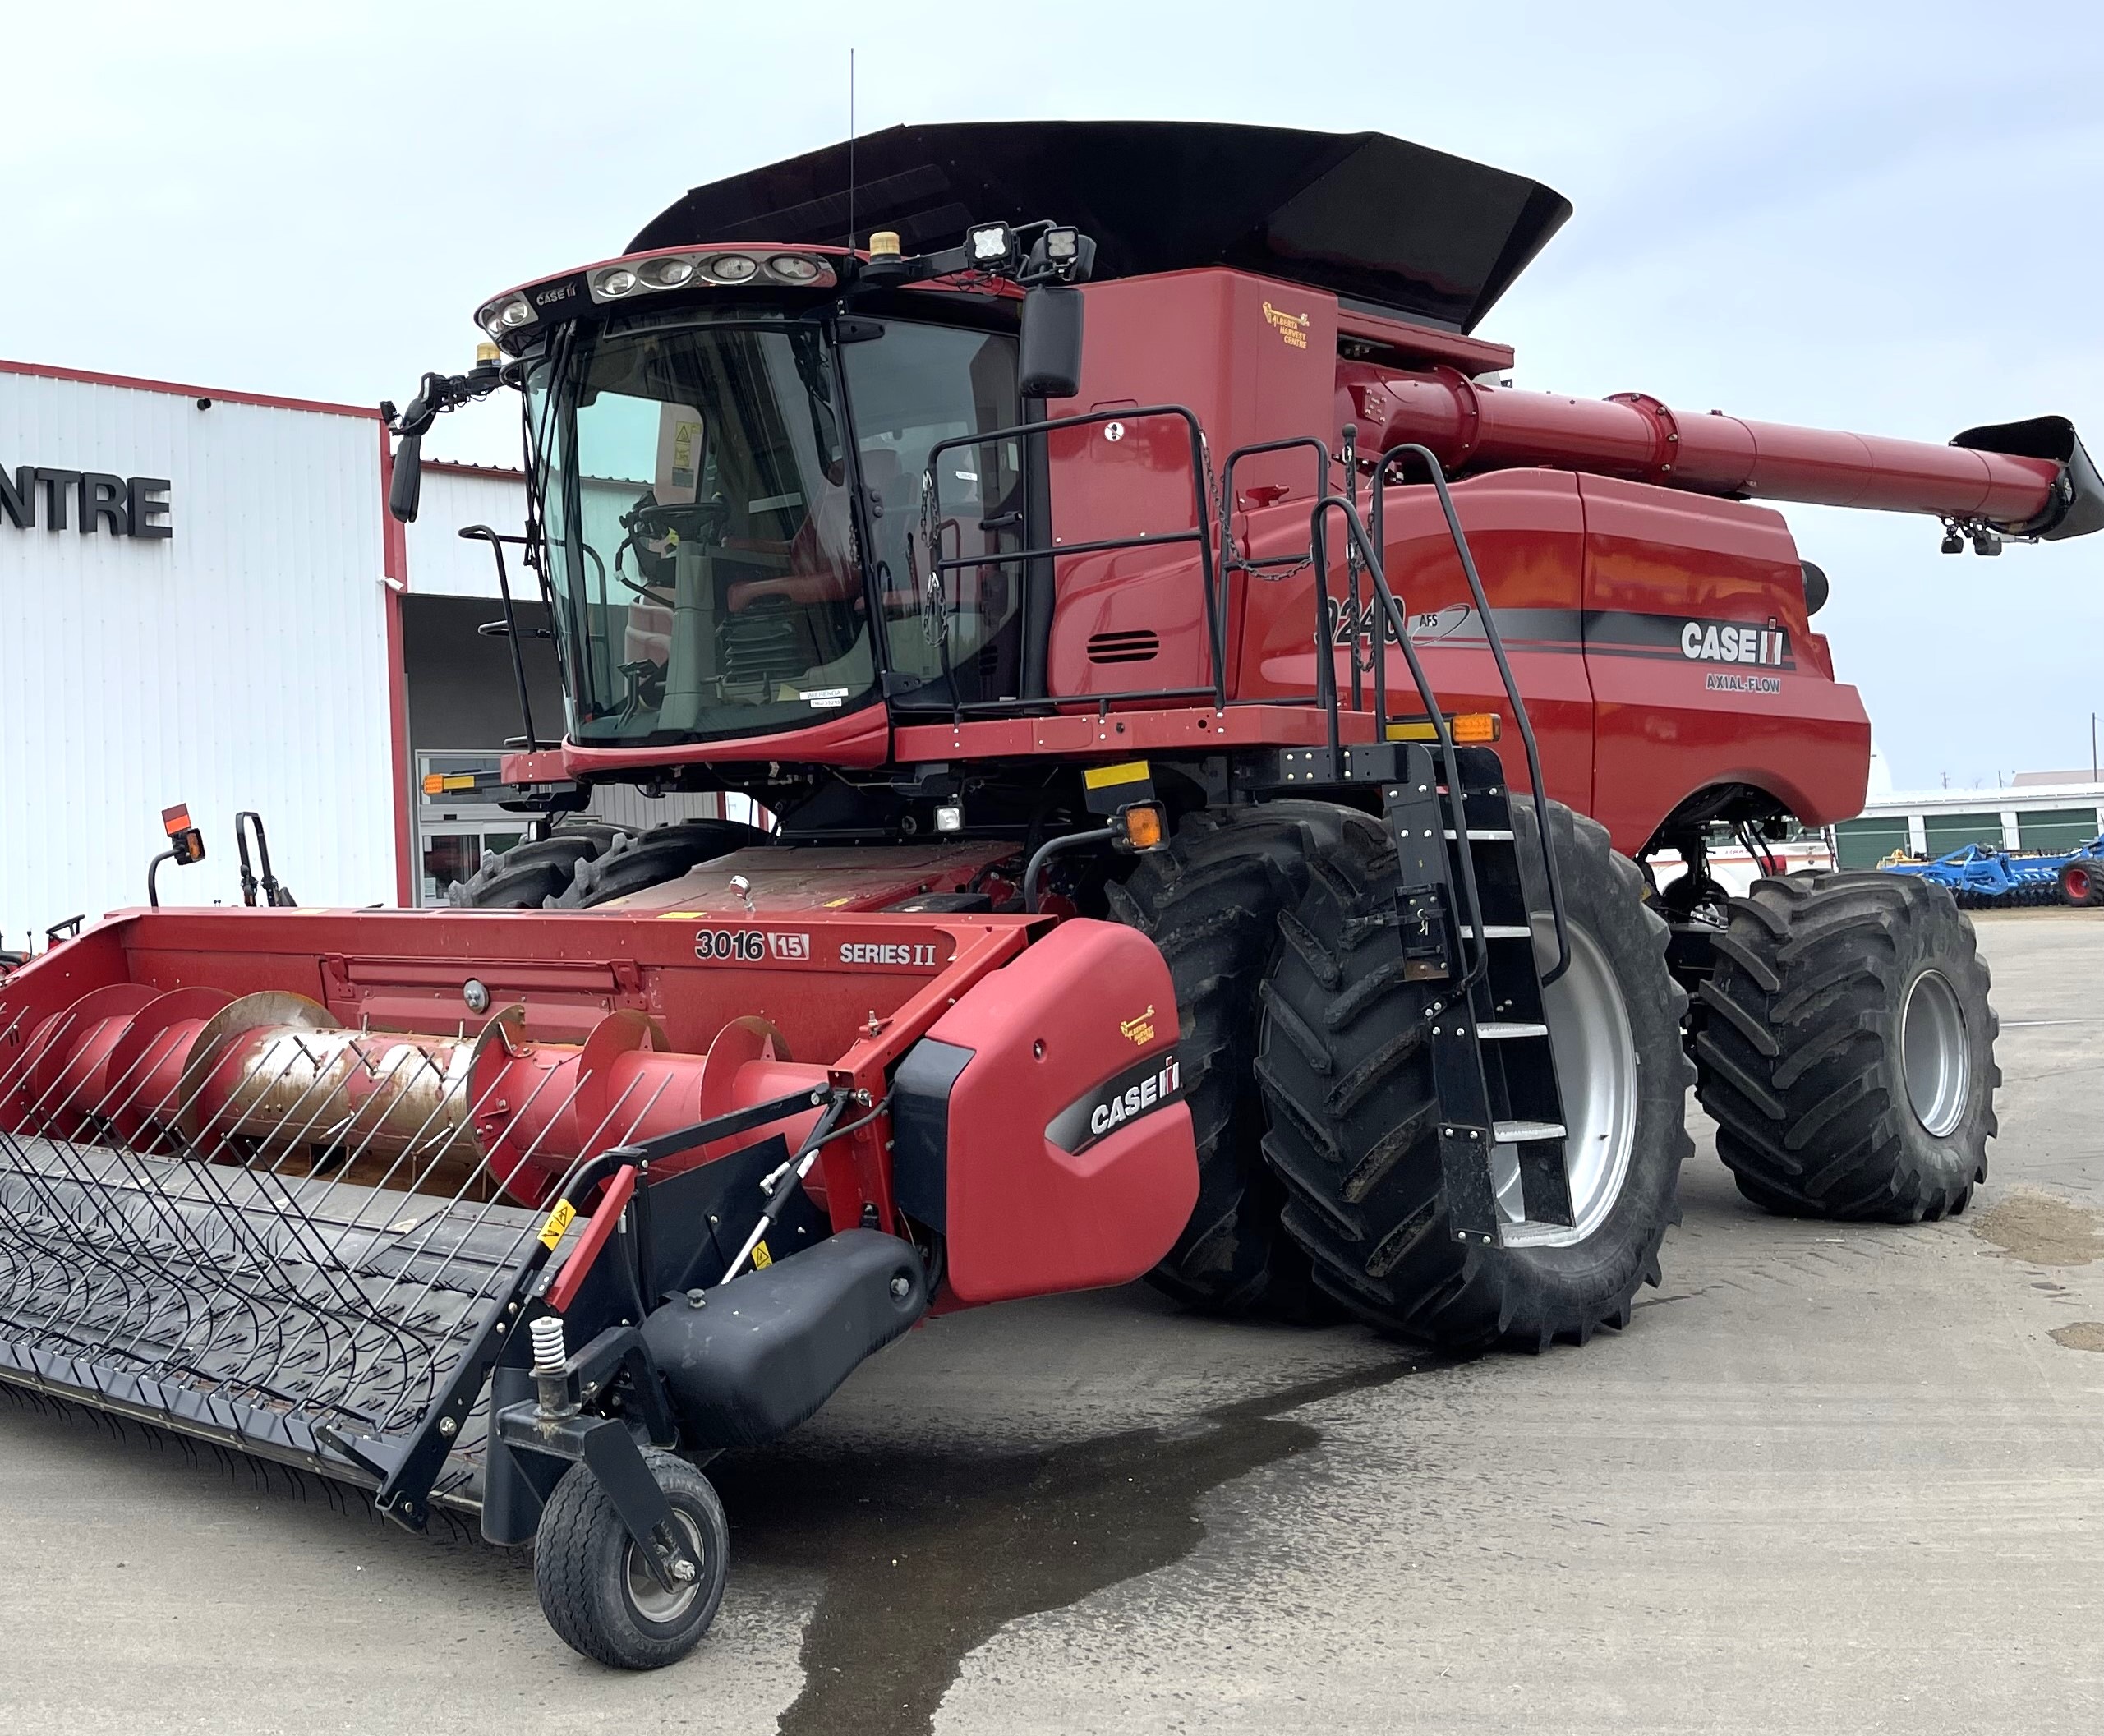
(1145, 826)
(434, 784)
(1469, 728)
(176, 819)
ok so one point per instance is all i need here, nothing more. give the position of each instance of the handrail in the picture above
(1496, 642)
(496, 540)
(1201, 533)
(1479, 953)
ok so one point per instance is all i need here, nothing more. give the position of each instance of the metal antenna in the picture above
(850, 149)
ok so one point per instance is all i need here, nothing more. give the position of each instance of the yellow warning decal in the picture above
(761, 1260)
(1104, 777)
(559, 1221)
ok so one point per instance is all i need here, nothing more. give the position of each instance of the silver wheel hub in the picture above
(649, 1600)
(1933, 1060)
(1595, 1050)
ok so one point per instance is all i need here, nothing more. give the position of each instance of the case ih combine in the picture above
(1219, 732)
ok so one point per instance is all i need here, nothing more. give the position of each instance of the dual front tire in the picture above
(1345, 1066)
(1845, 1049)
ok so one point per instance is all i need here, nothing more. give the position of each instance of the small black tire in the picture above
(1346, 1070)
(636, 862)
(2081, 882)
(1211, 903)
(1825, 984)
(527, 876)
(597, 1595)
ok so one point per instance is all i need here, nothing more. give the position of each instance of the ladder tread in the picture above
(1503, 1030)
(1518, 1133)
(1486, 835)
(1500, 932)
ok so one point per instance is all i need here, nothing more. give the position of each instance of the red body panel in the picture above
(1026, 1218)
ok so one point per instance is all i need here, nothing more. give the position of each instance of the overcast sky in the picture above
(1879, 217)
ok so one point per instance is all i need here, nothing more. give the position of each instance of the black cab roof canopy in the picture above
(1373, 219)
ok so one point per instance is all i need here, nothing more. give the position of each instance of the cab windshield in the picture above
(697, 496)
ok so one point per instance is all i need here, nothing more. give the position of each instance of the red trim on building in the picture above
(40, 370)
(395, 544)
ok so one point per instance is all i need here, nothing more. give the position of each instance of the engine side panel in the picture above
(1704, 669)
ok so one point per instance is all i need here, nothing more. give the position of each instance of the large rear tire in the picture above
(2081, 882)
(1211, 903)
(636, 862)
(528, 876)
(1848, 1057)
(1346, 1075)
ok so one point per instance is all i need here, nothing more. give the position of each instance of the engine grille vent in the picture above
(1136, 646)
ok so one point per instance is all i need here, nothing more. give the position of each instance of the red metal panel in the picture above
(1668, 724)
(1026, 1218)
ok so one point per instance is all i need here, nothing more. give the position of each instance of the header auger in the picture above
(1219, 739)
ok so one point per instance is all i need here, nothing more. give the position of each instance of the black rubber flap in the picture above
(1373, 219)
(766, 1349)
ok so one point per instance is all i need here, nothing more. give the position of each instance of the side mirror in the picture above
(1051, 361)
(408, 487)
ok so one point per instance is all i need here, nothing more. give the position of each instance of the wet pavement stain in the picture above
(927, 1554)
(2043, 1230)
(2080, 1335)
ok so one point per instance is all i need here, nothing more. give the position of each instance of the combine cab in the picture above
(1217, 732)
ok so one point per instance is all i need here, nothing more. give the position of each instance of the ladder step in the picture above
(1516, 1133)
(1487, 835)
(1500, 932)
(1504, 1030)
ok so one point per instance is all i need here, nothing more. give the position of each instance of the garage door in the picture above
(2057, 828)
(1949, 832)
(1863, 843)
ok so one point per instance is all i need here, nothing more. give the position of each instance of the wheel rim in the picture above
(1932, 1056)
(1595, 1050)
(649, 1598)
(2079, 885)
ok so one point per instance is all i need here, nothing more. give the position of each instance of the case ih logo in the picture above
(1727, 641)
(1154, 1084)
(87, 500)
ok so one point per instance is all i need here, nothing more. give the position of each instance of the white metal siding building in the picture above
(240, 660)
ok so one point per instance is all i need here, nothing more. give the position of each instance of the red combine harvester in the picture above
(1219, 732)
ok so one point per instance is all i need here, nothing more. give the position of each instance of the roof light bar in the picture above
(623, 280)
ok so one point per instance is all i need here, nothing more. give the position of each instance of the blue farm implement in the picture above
(1981, 878)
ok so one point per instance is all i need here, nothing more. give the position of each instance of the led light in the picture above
(1469, 728)
(669, 273)
(733, 268)
(990, 244)
(791, 268)
(498, 317)
(1062, 244)
(949, 816)
(1145, 826)
(618, 282)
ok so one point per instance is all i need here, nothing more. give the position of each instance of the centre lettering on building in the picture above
(91, 502)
